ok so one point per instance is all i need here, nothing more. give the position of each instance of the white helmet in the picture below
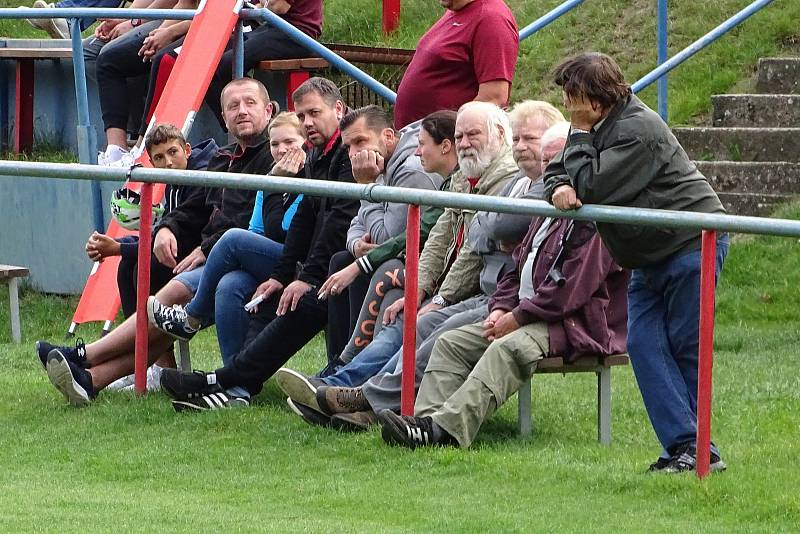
(125, 208)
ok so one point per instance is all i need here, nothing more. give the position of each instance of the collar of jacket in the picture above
(615, 112)
(234, 151)
(499, 170)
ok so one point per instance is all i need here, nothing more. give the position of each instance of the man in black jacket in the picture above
(291, 313)
(80, 372)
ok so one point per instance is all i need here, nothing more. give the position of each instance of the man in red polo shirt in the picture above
(468, 54)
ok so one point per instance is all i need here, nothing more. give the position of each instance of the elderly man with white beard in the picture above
(453, 282)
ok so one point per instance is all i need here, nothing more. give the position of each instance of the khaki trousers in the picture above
(468, 377)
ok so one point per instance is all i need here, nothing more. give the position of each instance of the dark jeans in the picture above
(271, 341)
(663, 329)
(260, 44)
(344, 308)
(117, 62)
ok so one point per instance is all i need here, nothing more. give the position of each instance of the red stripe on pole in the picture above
(391, 15)
(410, 312)
(706, 351)
(143, 287)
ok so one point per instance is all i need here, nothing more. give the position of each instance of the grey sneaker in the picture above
(55, 28)
(299, 387)
(173, 321)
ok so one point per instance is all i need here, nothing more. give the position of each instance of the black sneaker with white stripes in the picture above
(172, 320)
(685, 459)
(182, 386)
(212, 401)
(412, 432)
(76, 355)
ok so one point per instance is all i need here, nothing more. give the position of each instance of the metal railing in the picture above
(708, 223)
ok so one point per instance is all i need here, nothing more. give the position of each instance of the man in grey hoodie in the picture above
(378, 155)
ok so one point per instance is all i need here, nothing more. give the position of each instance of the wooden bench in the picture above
(11, 273)
(299, 70)
(600, 365)
(24, 81)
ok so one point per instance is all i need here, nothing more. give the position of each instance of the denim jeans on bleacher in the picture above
(372, 360)
(663, 328)
(239, 261)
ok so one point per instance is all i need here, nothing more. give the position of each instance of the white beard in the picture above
(475, 162)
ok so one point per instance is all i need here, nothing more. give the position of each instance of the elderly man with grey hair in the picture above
(461, 298)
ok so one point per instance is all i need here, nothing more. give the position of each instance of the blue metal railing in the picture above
(693, 48)
(547, 18)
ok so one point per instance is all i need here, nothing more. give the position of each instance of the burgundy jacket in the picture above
(588, 314)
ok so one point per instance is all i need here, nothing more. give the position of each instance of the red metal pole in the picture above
(706, 351)
(391, 15)
(143, 287)
(410, 312)
(23, 107)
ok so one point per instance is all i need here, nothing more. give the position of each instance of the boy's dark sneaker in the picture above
(76, 355)
(74, 382)
(299, 387)
(685, 459)
(309, 415)
(183, 386)
(354, 422)
(212, 401)
(412, 432)
(659, 464)
(333, 400)
(172, 320)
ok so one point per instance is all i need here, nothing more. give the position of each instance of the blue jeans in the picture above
(372, 360)
(239, 261)
(663, 330)
(86, 22)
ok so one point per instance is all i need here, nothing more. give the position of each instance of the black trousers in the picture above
(271, 340)
(127, 282)
(344, 308)
(265, 42)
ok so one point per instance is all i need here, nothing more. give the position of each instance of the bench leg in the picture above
(524, 420)
(23, 107)
(604, 406)
(184, 360)
(13, 293)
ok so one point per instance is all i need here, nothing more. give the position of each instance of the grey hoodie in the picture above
(384, 220)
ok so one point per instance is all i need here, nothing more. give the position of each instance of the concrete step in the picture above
(765, 178)
(778, 75)
(765, 111)
(741, 144)
(749, 204)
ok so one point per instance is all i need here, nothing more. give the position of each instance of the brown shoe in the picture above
(354, 422)
(333, 400)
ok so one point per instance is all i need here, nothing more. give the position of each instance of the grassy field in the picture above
(622, 28)
(134, 465)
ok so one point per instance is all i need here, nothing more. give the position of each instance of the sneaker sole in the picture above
(297, 388)
(323, 420)
(151, 318)
(60, 376)
(214, 401)
(341, 423)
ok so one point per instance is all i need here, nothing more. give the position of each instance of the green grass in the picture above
(134, 465)
(623, 28)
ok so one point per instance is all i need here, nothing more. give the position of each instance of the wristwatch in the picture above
(136, 22)
(440, 301)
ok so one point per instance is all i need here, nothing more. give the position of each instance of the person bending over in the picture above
(621, 153)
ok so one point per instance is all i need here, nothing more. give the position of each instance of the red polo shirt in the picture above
(478, 43)
(305, 15)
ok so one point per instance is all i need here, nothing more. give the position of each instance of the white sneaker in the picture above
(126, 383)
(55, 28)
(115, 156)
